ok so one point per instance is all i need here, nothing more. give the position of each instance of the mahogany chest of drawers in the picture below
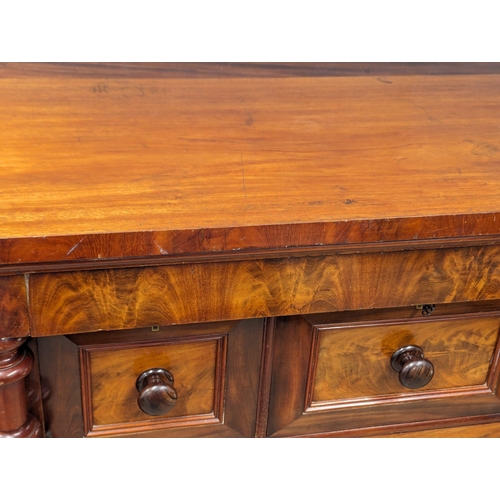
(252, 255)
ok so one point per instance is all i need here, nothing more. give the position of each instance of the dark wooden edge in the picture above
(406, 427)
(265, 377)
(441, 394)
(493, 378)
(442, 311)
(311, 372)
(199, 431)
(92, 430)
(35, 390)
(134, 427)
(240, 69)
(86, 388)
(241, 255)
(76, 252)
(220, 378)
(472, 403)
(404, 321)
(147, 334)
(133, 344)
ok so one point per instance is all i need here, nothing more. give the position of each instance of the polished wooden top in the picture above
(96, 168)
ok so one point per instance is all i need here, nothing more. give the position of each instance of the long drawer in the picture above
(113, 299)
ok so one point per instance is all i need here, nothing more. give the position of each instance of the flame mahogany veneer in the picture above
(243, 247)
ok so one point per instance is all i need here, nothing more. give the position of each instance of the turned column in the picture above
(16, 362)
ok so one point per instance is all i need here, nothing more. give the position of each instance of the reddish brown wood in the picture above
(140, 195)
(16, 363)
(234, 400)
(356, 361)
(454, 398)
(35, 391)
(13, 306)
(403, 314)
(97, 251)
(63, 395)
(491, 430)
(179, 166)
(245, 351)
(238, 69)
(265, 378)
(292, 346)
(444, 405)
(131, 298)
(109, 375)
(414, 370)
(157, 394)
(352, 362)
(477, 426)
(241, 255)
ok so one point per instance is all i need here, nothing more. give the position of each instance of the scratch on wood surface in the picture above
(74, 247)
(162, 250)
(27, 285)
(483, 148)
(431, 118)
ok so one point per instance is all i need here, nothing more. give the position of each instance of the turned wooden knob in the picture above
(157, 395)
(414, 370)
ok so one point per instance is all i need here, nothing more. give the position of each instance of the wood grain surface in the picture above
(466, 431)
(216, 367)
(238, 69)
(356, 362)
(96, 168)
(399, 413)
(114, 371)
(61, 385)
(14, 320)
(131, 298)
(290, 413)
(290, 362)
(476, 426)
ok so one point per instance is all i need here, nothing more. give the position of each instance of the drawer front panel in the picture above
(197, 366)
(77, 302)
(336, 376)
(356, 362)
(216, 369)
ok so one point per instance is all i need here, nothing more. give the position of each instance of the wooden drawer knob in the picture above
(157, 395)
(414, 370)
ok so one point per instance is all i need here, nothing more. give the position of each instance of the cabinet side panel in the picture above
(292, 352)
(243, 371)
(59, 366)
